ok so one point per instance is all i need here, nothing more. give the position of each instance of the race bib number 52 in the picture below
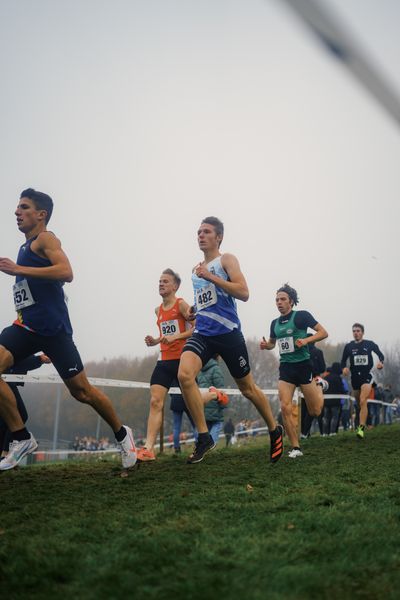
(22, 295)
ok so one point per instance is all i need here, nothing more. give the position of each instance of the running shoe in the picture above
(145, 455)
(360, 432)
(128, 449)
(276, 448)
(201, 449)
(17, 452)
(221, 396)
(295, 453)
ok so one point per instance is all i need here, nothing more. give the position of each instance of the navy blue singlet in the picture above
(48, 314)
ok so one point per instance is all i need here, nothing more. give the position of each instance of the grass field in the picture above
(324, 526)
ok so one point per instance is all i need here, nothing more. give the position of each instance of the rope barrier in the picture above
(119, 383)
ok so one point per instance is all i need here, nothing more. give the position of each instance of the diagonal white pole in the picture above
(342, 45)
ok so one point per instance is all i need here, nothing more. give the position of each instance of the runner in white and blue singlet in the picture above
(218, 282)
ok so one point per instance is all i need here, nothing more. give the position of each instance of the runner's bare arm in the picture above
(236, 286)
(320, 334)
(267, 345)
(47, 246)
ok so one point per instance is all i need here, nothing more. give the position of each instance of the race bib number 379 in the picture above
(361, 360)
(22, 295)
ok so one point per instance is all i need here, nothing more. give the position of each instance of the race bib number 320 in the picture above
(206, 296)
(22, 295)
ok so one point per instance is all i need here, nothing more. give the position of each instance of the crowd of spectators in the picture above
(90, 444)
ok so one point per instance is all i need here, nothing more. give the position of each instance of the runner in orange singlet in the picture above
(174, 330)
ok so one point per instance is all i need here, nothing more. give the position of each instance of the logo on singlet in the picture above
(242, 361)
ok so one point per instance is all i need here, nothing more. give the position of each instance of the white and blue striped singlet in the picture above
(216, 310)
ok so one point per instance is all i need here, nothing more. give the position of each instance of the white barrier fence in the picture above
(101, 382)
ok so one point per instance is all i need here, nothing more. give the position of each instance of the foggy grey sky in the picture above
(140, 118)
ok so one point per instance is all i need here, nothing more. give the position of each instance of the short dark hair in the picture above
(42, 201)
(173, 274)
(217, 224)
(291, 292)
(359, 326)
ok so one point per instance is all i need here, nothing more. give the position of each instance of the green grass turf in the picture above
(323, 526)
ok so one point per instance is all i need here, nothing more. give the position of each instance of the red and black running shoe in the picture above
(276, 449)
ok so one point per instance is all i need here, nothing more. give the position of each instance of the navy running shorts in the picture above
(230, 346)
(60, 348)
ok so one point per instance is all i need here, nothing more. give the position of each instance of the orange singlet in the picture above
(170, 322)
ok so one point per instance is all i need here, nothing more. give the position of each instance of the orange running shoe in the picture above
(145, 455)
(221, 396)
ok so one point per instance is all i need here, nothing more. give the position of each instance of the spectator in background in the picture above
(388, 398)
(318, 367)
(345, 414)
(211, 377)
(21, 368)
(179, 408)
(332, 405)
(229, 431)
(375, 408)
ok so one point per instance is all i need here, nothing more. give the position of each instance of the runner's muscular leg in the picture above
(313, 397)
(253, 393)
(8, 404)
(83, 391)
(286, 391)
(363, 402)
(158, 393)
(189, 366)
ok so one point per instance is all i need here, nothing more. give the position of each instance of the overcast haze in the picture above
(140, 118)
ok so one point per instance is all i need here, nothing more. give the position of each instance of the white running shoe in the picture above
(17, 452)
(128, 449)
(295, 452)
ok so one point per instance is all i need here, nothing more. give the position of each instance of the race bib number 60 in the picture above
(286, 345)
(206, 296)
(22, 295)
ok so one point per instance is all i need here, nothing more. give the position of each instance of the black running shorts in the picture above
(230, 346)
(165, 373)
(298, 373)
(358, 378)
(60, 348)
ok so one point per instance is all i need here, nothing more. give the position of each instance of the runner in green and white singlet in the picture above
(289, 331)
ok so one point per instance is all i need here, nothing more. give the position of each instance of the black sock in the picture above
(203, 437)
(120, 434)
(21, 435)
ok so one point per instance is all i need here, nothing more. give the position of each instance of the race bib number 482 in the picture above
(206, 296)
(22, 295)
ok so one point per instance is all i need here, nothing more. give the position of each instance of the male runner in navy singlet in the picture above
(43, 324)
(218, 282)
(359, 352)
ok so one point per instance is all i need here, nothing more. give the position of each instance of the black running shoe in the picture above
(201, 449)
(276, 449)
